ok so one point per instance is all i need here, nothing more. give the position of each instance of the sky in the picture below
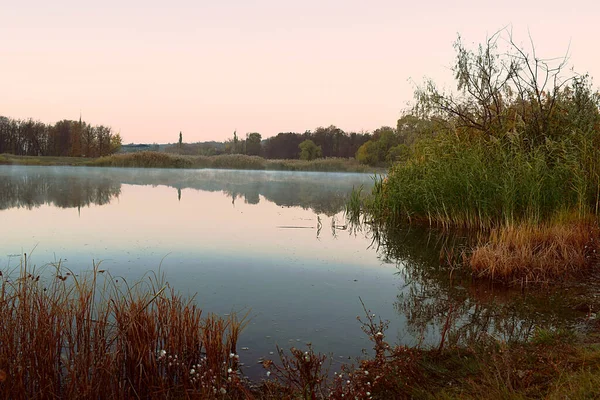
(151, 69)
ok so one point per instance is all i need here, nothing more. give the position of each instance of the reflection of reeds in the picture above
(95, 336)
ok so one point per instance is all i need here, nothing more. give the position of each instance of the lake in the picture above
(274, 243)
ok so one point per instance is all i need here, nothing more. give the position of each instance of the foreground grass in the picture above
(96, 336)
(553, 364)
(166, 160)
(99, 337)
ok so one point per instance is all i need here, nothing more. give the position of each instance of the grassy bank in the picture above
(534, 210)
(165, 160)
(9, 159)
(96, 336)
(229, 161)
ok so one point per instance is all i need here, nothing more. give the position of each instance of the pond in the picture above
(274, 243)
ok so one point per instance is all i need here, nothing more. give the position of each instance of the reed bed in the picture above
(144, 159)
(525, 253)
(460, 181)
(149, 159)
(96, 336)
(511, 194)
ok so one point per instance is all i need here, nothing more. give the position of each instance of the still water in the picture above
(274, 243)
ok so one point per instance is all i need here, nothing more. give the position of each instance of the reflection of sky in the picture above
(151, 219)
(260, 256)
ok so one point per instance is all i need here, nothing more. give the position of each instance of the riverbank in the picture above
(94, 335)
(166, 160)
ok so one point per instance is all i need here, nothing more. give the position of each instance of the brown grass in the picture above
(527, 253)
(63, 336)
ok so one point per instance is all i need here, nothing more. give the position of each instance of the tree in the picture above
(375, 151)
(309, 150)
(253, 146)
(180, 140)
(498, 90)
(115, 143)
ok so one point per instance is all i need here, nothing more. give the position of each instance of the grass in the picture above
(96, 336)
(149, 159)
(526, 253)
(552, 364)
(512, 195)
(9, 159)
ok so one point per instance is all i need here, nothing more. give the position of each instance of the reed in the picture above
(96, 336)
(511, 194)
(541, 253)
(149, 159)
(144, 159)
(475, 183)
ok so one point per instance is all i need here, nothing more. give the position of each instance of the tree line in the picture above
(66, 138)
(328, 142)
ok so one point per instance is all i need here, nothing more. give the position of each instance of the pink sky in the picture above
(151, 69)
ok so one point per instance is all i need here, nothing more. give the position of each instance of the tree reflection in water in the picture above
(32, 188)
(444, 306)
(324, 193)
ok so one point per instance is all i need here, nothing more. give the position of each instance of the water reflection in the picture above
(444, 306)
(273, 242)
(22, 186)
(31, 188)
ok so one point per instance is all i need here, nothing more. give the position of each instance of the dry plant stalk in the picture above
(95, 336)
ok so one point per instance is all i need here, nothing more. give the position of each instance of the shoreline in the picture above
(166, 160)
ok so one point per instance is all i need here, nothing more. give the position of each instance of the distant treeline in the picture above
(333, 142)
(380, 148)
(65, 138)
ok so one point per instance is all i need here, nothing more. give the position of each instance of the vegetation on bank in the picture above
(332, 141)
(10, 159)
(95, 336)
(515, 150)
(226, 161)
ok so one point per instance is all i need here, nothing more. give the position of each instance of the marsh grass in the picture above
(150, 159)
(10, 159)
(144, 159)
(512, 195)
(96, 336)
(542, 253)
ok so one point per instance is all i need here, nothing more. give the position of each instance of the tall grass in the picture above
(144, 159)
(150, 159)
(513, 192)
(529, 253)
(462, 181)
(96, 336)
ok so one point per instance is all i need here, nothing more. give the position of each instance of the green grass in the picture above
(9, 159)
(166, 160)
(462, 181)
(516, 197)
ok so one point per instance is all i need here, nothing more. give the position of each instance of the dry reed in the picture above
(537, 253)
(95, 336)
